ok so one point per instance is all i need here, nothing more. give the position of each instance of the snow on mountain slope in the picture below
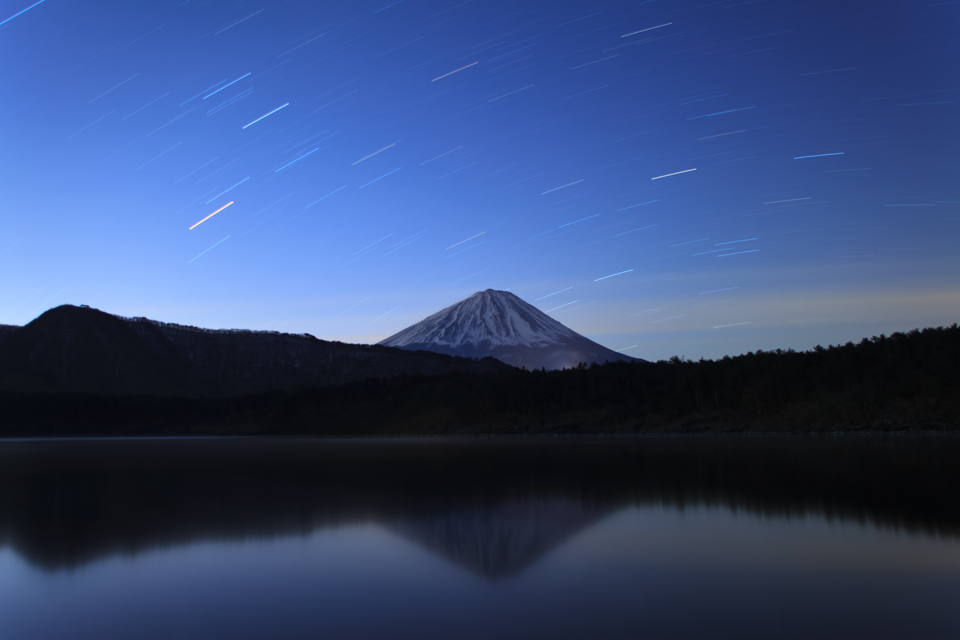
(497, 317)
(501, 325)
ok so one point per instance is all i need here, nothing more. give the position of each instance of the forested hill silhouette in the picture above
(887, 383)
(7, 330)
(79, 349)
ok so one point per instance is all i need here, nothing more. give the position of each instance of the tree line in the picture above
(905, 381)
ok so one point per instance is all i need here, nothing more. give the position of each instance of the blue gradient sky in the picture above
(428, 150)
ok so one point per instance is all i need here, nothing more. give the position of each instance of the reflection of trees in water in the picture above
(493, 506)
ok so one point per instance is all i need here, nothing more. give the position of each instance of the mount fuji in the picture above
(501, 325)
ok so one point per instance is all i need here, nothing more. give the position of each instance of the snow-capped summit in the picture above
(495, 317)
(501, 325)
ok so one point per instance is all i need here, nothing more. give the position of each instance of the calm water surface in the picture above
(738, 537)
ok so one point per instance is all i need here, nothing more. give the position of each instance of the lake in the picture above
(647, 537)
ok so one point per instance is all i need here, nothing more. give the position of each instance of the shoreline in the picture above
(949, 430)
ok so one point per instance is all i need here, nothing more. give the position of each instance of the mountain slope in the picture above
(77, 349)
(501, 325)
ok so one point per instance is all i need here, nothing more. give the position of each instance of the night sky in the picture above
(665, 177)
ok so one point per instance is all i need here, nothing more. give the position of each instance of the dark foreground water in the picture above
(738, 537)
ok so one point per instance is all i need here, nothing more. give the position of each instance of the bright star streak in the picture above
(203, 92)
(563, 187)
(647, 29)
(374, 153)
(561, 306)
(210, 216)
(265, 115)
(225, 86)
(820, 155)
(735, 324)
(381, 177)
(613, 274)
(724, 255)
(790, 200)
(673, 174)
(16, 14)
(552, 294)
(454, 71)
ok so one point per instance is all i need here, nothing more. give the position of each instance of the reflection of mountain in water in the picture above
(493, 506)
(498, 541)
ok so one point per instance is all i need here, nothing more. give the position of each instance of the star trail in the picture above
(382, 161)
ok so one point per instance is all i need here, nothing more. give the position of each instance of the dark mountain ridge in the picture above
(79, 349)
(7, 330)
(901, 382)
